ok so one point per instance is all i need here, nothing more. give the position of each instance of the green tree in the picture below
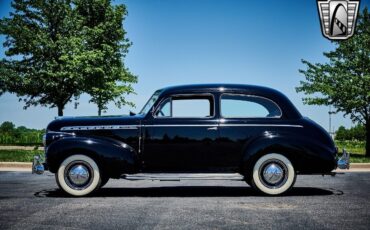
(344, 81)
(341, 133)
(7, 127)
(355, 133)
(359, 132)
(58, 49)
(43, 49)
(105, 48)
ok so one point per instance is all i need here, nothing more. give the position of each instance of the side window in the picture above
(248, 106)
(165, 109)
(186, 107)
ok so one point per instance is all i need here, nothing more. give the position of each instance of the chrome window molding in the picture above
(155, 110)
(249, 95)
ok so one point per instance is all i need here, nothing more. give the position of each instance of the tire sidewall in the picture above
(96, 180)
(256, 180)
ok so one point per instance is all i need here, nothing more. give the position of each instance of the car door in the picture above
(180, 133)
(242, 118)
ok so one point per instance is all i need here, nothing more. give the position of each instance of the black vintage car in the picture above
(212, 131)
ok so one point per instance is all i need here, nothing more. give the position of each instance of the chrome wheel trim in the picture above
(273, 173)
(78, 175)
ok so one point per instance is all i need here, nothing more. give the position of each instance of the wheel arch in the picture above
(262, 146)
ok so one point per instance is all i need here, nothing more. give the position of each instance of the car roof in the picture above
(216, 87)
(272, 94)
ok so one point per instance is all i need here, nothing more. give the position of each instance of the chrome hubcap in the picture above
(79, 174)
(273, 173)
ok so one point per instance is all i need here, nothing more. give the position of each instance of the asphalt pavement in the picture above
(29, 201)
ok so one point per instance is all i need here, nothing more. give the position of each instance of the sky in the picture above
(206, 41)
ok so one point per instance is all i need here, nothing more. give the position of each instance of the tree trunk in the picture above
(98, 103)
(367, 148)
(60, 110)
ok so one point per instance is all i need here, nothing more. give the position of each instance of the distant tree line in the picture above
(355, 133)
(12, 135)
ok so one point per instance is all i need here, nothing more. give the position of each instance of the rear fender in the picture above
(306, 155)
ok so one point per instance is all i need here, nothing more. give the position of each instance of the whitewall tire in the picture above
(78, 175)
(273, 174)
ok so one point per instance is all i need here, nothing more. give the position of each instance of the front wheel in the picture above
(273, 174)
(78, 175)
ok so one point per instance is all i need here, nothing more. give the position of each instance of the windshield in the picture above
(150, 103)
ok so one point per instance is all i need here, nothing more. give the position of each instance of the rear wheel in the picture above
(78, 175)
(273, 174)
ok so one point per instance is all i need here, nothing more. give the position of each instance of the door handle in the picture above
(212, 128)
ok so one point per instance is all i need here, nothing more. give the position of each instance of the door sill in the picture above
(184, 176)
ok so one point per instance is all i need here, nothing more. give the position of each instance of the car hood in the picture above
(61, 122)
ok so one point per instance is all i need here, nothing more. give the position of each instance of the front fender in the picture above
(113, 157)
(308, 155)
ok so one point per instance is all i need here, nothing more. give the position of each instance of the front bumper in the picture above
(344, 161)
(38, 164)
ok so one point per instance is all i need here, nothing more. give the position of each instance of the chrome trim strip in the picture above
(225, 125)
(190, 125)
(264, 125)
(99, 127)
(113, 127)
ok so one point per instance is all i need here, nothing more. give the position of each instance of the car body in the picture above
(209, 128)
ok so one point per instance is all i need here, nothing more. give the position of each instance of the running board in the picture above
(184, 176)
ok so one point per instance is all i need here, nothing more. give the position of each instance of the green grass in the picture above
(18, 155)
(24, 139)
(354, 147)
(357, 158)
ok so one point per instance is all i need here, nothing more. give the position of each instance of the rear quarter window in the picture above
(248, 106)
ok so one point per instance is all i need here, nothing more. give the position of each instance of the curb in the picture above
(360, 165)
(15, 164)
(16, 147)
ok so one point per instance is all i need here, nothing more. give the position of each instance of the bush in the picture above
(357, 147)
(10, 135)
(355, 133)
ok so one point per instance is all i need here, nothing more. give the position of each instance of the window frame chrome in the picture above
(248, 95)
(155, 110)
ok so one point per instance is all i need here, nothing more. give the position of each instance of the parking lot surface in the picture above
(343, 202)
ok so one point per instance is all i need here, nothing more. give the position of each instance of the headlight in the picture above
(53, 136)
